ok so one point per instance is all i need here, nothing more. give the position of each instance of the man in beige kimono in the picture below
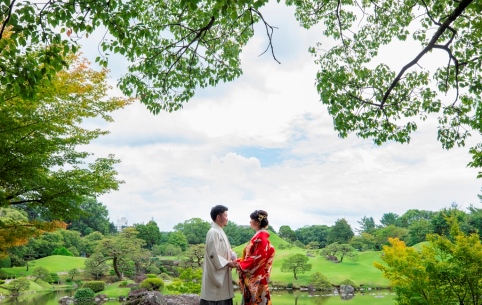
(217, 285)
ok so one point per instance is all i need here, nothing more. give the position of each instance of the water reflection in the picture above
(38, 298)
(278, 298)
(347, 296)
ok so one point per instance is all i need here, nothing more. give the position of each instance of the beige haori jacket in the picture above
(217, 284)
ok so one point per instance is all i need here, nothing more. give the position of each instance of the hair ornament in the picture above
(261, 217)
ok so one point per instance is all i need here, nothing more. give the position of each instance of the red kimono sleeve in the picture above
(256, 253)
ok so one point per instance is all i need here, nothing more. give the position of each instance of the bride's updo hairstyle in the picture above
(261, 217)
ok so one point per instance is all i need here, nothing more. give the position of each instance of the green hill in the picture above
(53, 263)
(361, 271)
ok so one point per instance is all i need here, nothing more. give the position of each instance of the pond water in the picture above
(377, 297)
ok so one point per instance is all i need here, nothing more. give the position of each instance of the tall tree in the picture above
(412, 216)
(475, 218)
(382, 235)
(41, 163)
(149, 233)
(318, 233)
(340, 232)
(367, 225)
(93, 217)
(178, 239)
(389, 219)
(440, 220)
(120, 250)
(90, 242)
(418, 231)
(195, 230)
(238, 234)
(287, 233)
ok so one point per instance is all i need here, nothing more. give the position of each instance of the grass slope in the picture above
(53, 263)
(361, 271)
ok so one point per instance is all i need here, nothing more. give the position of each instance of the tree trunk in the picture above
(116, 267)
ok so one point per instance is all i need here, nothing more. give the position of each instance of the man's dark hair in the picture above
(217, 210)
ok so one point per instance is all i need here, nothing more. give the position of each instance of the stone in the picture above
(144, 297)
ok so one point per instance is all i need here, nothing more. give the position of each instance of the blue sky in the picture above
(265, 141)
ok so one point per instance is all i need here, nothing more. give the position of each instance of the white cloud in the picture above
(178, 165)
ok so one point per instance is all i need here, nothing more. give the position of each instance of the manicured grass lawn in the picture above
(54, 263)
(114, 291)
(361, 271)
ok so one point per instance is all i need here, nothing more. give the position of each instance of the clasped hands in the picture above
(232, 264)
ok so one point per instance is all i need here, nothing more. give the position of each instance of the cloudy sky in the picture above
(265, 141)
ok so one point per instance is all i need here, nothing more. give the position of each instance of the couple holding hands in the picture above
(253, 267)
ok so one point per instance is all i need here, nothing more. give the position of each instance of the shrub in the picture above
(320, 282)
(153, 270)
(74, 251)
(123, 284)
(4, 275)
(96, 286)
(62, 251)
(152, 284)
(2, 282)
(54, 278)
(84, 295)
(165, 276)
(5, 262)
(289, 286)
(348, 282)
(69, 280)
(151, 276)
(185, 287)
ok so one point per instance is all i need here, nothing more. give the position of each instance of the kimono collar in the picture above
(260, 231)
(216, 226)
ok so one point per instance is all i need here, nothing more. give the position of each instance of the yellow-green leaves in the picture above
(447, 270)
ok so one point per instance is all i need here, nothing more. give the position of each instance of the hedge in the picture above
(152, 284)
(96, 286)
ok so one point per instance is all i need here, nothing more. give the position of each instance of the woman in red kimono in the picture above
(254, 267)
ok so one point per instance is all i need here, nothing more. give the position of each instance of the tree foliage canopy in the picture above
(175, 47)
(447, 270)
(16, 229)
(297, 263)
(41, 165)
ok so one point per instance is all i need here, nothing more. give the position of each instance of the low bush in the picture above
(84, 295)
(348, 282)
(165, 276)
(62, 251)
(4, 275)
(150, 276)
(96, 286)
(54, 278)
(152, 284)
(6, 262)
